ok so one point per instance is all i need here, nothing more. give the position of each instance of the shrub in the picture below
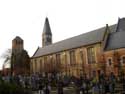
(11, 88)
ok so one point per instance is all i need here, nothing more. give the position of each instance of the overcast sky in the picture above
(68, 18)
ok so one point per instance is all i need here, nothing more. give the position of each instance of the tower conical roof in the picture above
(46, 28)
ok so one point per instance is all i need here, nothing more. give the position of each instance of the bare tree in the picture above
(7, 57)
(16, 61)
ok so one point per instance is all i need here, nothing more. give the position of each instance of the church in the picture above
(98, 51)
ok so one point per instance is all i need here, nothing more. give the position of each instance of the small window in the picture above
(109, 61)
(123, 59)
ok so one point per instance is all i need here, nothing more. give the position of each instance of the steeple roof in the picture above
(46, 28)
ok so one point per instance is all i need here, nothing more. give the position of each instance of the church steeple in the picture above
(46, 35)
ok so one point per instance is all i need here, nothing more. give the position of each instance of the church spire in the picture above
(46, 29)
(46, 35)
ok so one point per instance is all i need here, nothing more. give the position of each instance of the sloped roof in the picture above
(116, 40)
(74, 42)
(121, 25)
(84, 39)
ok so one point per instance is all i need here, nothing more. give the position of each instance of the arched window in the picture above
(109, 61)
(57, 58)
(72, 57)
(35, 66)
(123, 59)
(31, 66)
(91, 55)
(41, 65)
(81, 56)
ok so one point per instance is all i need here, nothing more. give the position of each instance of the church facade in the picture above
(92, 53)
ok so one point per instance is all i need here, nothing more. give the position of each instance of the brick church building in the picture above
(98, 51)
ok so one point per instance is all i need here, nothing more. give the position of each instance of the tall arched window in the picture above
(72, 57)
(81, 56)
(41, 66)
(36, 66)
(58, 61)
(45, 64)
(91, 55)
